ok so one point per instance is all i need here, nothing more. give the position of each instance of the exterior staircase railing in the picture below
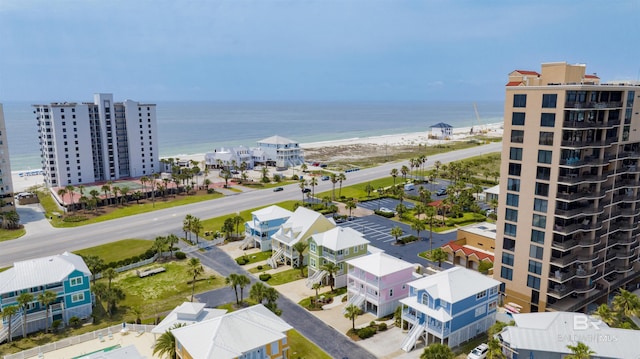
(410, 341)
(317, 277)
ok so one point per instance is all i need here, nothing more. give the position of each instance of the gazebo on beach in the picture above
(441, 131)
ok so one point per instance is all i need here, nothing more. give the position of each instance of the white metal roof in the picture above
(339, 238)
(297, 227)
(232, 334)
(277, 140)
(454, 284)
(41, 271)
(271, 212)
(484, 229)
(439, 314)
(493, 190)
(187, 313)
(553, 331)
(380, 264)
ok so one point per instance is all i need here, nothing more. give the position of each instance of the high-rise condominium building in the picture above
(6, 186)
(98, 141)
(567, 231)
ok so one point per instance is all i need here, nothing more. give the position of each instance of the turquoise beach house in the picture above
(66, 275)
(263, 224)
(449, 307)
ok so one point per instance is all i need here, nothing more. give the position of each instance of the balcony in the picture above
(588, 210)
(585, 273)
(563, 275)
(559, 290)
(584, 194)
(595, 105)
(627, 183)
(586, 243)
(574, 178)
(574, 227)
(587, 143)
(564, 246)
(564, 261)
(624, 253)
(584, 288)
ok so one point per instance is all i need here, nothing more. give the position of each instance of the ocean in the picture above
(197, 127)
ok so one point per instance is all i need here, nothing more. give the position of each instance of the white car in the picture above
(479, 352)
(385, 210)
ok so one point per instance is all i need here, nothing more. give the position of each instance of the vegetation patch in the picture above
(301, 347)
(287, 276)
(253, 257)
(117, 251)
(8, 234)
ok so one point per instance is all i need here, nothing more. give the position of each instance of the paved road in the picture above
(336, 345)
(48, 241)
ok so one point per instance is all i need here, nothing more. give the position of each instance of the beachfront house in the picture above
(282, 152)
(546, 335)
(441, 131)
(299, 227)
(253, 332)
(263, 224)
(449, 307)
(66, 275)
(376, 282)
(231, 158)
(187, 313)
(336, 245)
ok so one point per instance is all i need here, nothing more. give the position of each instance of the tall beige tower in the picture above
(6, 185)
(569, 202)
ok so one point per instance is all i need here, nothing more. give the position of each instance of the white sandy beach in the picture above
(21, 183)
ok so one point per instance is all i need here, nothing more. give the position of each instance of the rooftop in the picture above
(484, 229)
(271, 212)
(339, 238)
(277, 140)
(299, 225)
(187, 313)
(380, 264)
(455, 284)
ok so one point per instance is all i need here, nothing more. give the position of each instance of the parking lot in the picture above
(390, 203)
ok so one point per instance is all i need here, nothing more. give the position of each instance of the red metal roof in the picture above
(591, 77)
(514, 83)
(527, 72)
(468, 251)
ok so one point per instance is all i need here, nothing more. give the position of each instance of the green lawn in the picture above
(287, 276)
(215, 224)
(8, 234)
(265, 267)
(256, 257)
(129, 209)
(115, 251)
(301, 347)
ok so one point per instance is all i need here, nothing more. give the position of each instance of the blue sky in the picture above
(307, 50)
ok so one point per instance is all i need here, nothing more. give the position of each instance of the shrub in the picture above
(149, 253)
(242, 260)
(383, 214)
(372, 323)
(211, 191)
(408, 239)
(484, 266)
(74, 321)
(181, 255)
(367, 332)
(260, 267)
(265, 277)
(382, 327)
(56, 324)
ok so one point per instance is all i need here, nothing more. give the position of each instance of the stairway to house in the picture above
(410, 340)
(357, 300)
(315, 278)
(247, 242)
(275, 257)
(16, 320)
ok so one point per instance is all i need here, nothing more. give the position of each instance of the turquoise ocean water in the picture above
(198, 127)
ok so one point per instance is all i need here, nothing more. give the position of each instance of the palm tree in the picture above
(352, 312)
(313, 182)
(112, 297)
(171, 240)
(237, 221)
(302, 185)
(332, 269)
(437, 165)
(24, 299)
(626, 304)
(495, 349)
(394, 174)
(316, 287)
(404, 170)
(196, 227)
(272, 295)
(437, 351)
(334, 179)
(8, 313)
(341, 177)
(258, 292)
(580, 351)
(106, 188)
(159, 245)
(368, 188)
(95, 265)
(70, 188)
(11, 220)
(61, 193)
(430, 217)
(166, 343)
(418, 226)
(232, 281)
(265, 174)
(186, 226)
(194, 270)
(438, 255)
(124, 191)
(350, 205)
(46, 298)
(243, 281)
(396, 232)
(605, 314)
(300, 247)
(207, 183)
(110, 274)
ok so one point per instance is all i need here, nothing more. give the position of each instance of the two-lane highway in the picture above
(157, 223)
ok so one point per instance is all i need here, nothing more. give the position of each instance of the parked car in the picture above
(386, 210)
(306, 190)
(278, 189)
(441, 192)
(325, 178)
(479, 352)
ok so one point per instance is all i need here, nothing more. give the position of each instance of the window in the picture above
(481, 294)
(507, 259)
(510, 229)
(425, 299)
(391, 292)
(540, 205)
(546, 138)
(515, 153)
(508, 244)
(515, 169)
(535, 267)
(513, 199)
(78, 297)
(355, 249)
(493, 305)
(549, 101)
(517, 119)
(75, 281)
(517, 136)
(535, 251)
(312, 247)
(481, 310)
(548, 120)
(539, 221)
(519, 100)
(542, 189)
(511, 215)
(312, 262)
(533, 282)
(506, 273)
(543, 173)
(544, 156)
(513, 184)
(537, 236)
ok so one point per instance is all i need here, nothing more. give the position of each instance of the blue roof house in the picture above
(441, 131)
(449, 307)
(66, 275)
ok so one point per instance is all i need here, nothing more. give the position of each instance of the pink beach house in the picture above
(376, 282)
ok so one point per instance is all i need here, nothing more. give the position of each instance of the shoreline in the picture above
(21, 183)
